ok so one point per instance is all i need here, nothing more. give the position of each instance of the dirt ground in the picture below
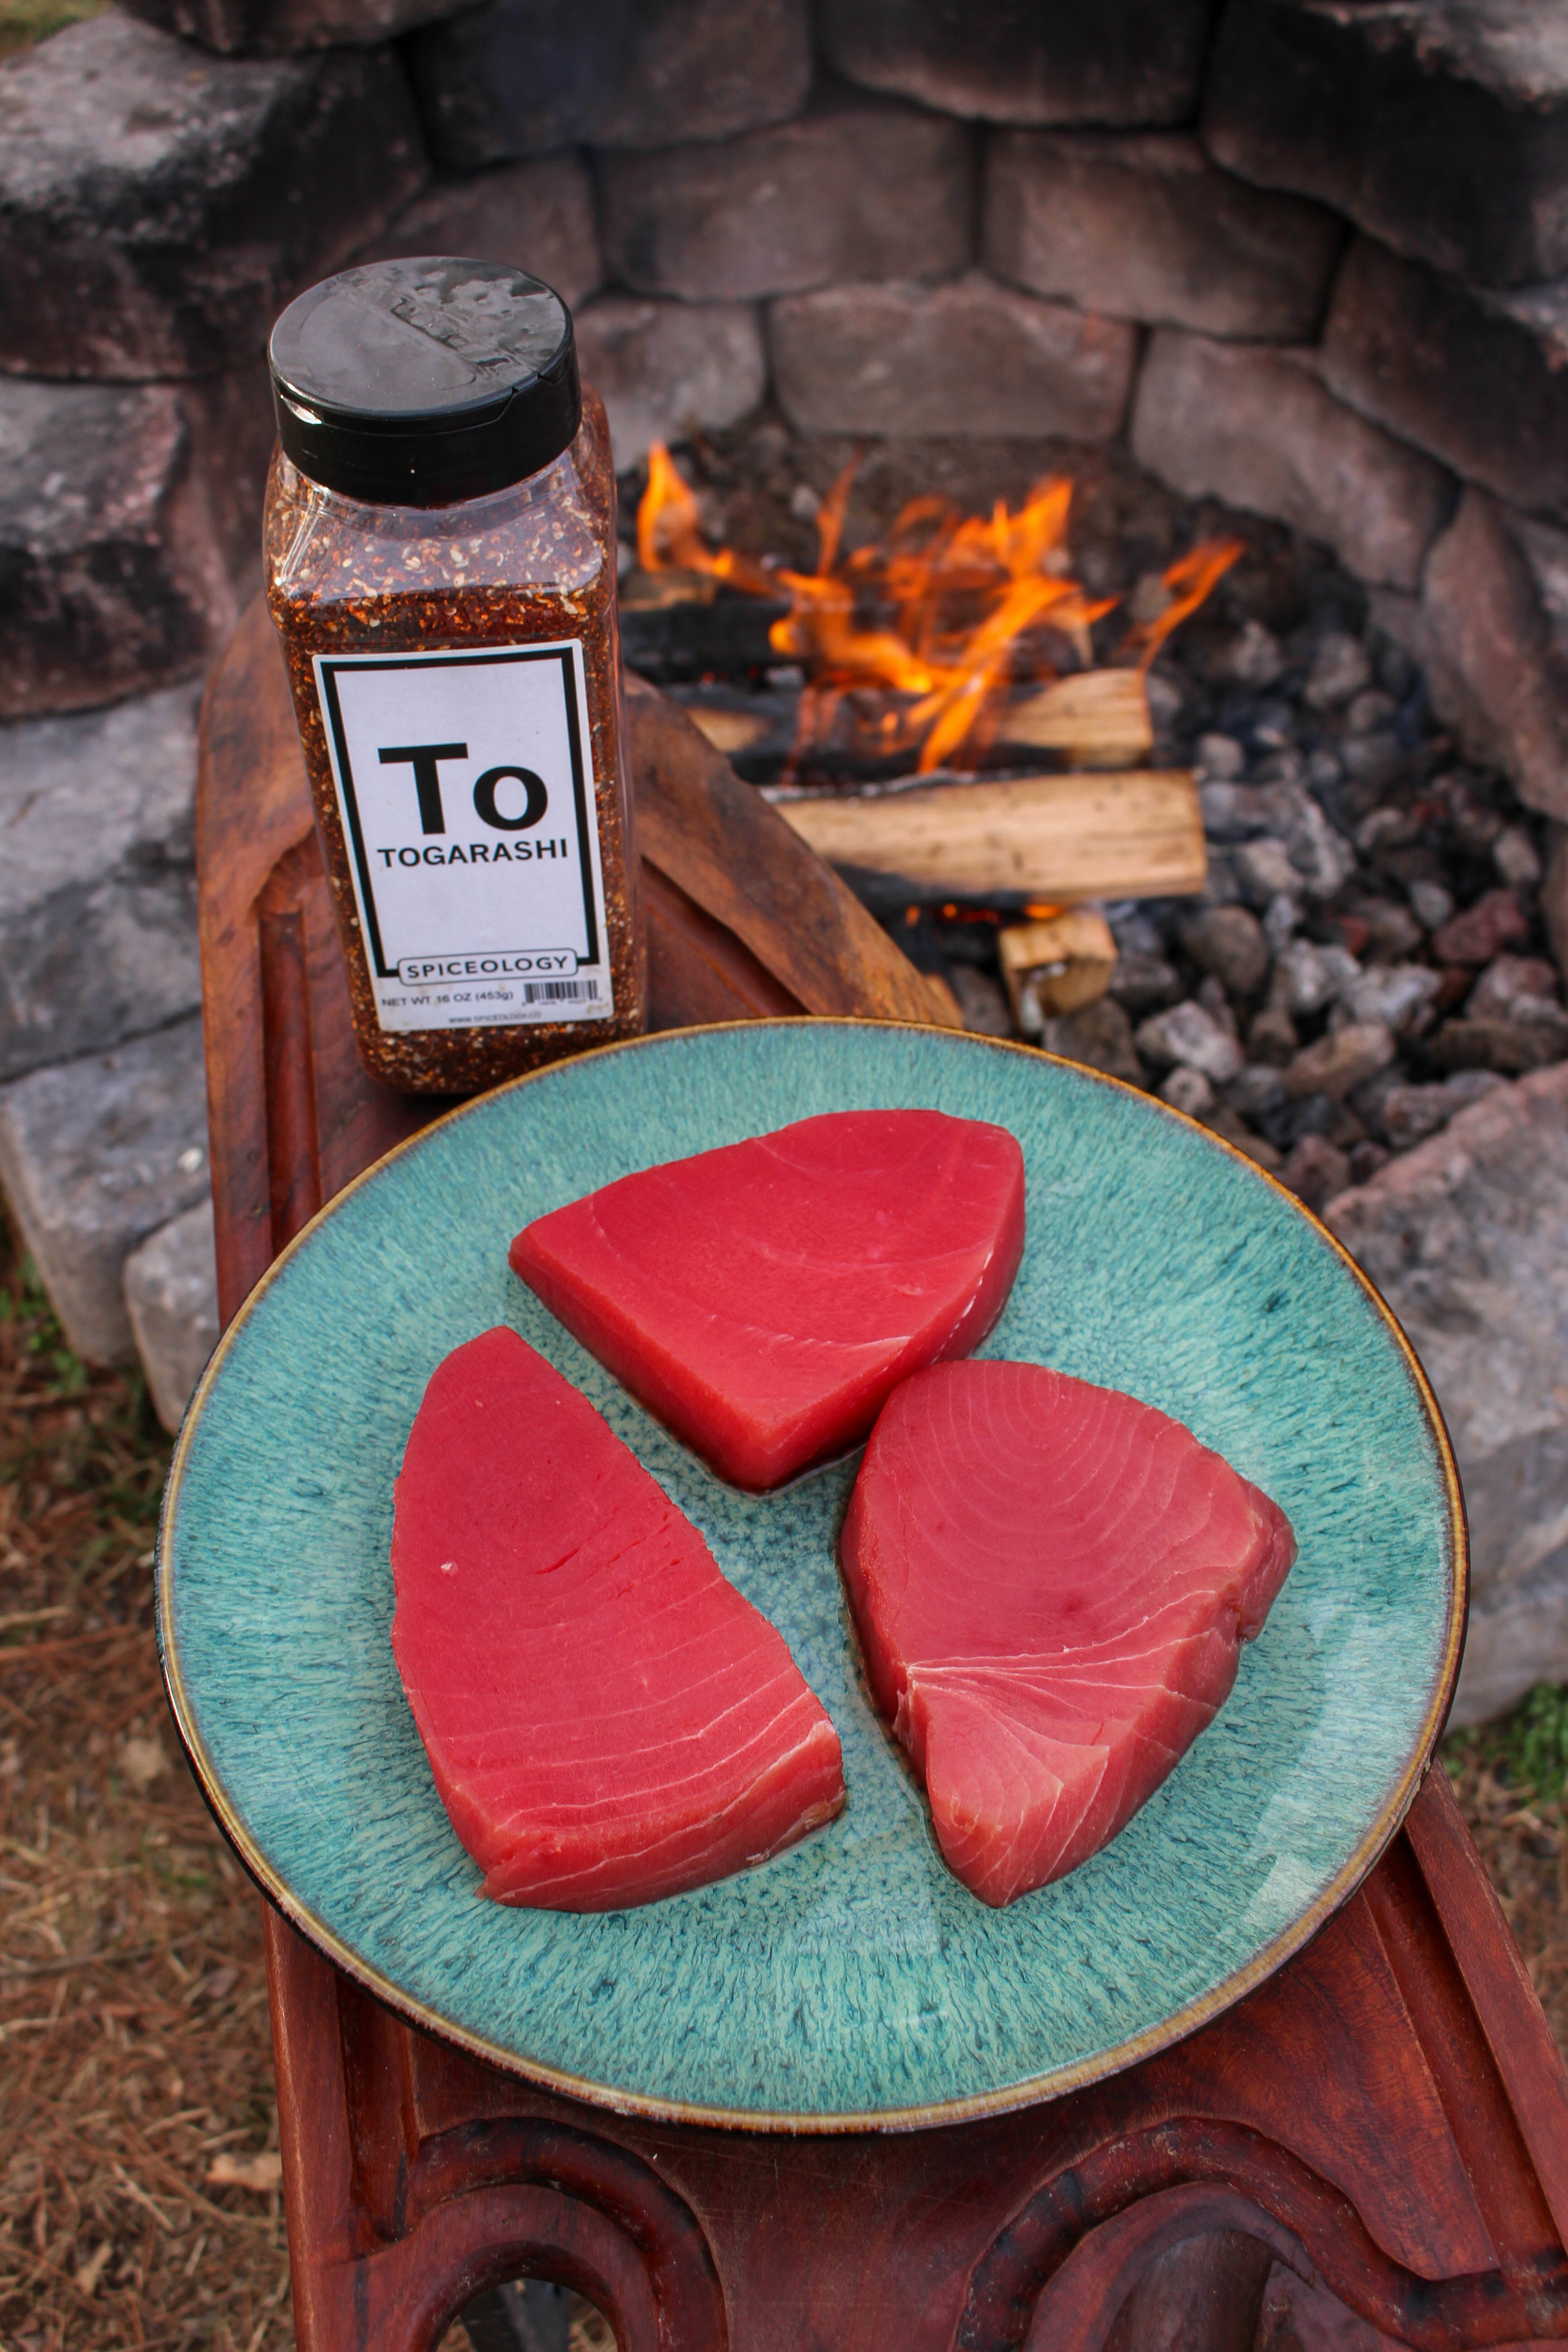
(139, 2169)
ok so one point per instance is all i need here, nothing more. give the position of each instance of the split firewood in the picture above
(655, 591)
(1057, 965)
(1061, 839)
(1099, 718)
(730, 731)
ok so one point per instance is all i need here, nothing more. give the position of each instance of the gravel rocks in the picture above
(1265, 871)
(982, 1001)
(1399, 995)
(1257, 1088)
(1143, 983)
(1221, 757)
(1322, 859)
(1100, 1036)
(1381, 929)
(1516, 858)
(1232, 811)
(1496, 921)
(1189, 1034)
(1272, 1036)
(1431, 904)
(1516, 988)
(1340, 669)
(1256, 656)
(1228, 942)
(1378, 928)
(1309, 978)
(1342, 1060)
(1316, 1171)
(1510, 1046)
(1187, 1089)
(1405, 1115)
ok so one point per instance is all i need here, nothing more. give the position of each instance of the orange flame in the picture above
(966, 597)
(1189, 581)
(670, 532)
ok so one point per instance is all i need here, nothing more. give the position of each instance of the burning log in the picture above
(1099, 718)
(1058, 838)
(732, 729)
(1096, 718)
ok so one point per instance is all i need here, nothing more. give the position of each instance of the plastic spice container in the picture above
(441, 561)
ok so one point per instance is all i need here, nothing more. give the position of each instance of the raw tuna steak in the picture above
(1051, 1583)
(607, 1720)
(763, 1301)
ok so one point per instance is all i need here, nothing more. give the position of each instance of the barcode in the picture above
(558, 992)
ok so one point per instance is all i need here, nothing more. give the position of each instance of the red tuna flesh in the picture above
(1051, 1583)
(607, 1719)
(763, 1301)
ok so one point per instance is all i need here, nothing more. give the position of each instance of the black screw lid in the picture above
(419, 383)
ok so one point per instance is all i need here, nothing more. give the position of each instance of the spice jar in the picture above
(441, 561)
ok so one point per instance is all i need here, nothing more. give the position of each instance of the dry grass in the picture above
(139, 2201)
(135, 2061)
(1509, 1777)
(135, 2065)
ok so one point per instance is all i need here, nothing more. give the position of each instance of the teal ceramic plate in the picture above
(852, 1983)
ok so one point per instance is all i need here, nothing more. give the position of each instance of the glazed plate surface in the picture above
(852, 1982)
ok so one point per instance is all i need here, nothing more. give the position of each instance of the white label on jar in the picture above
(466, 797)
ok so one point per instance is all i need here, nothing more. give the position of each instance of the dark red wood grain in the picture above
(1388, 2113)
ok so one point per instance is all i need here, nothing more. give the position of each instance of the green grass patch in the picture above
(1527, 1748)
(23, 23)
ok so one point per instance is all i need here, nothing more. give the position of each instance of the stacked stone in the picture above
(1305, 257)
(156, 205)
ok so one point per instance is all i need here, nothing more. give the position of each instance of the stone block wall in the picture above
(1309, 258)
(157, 204)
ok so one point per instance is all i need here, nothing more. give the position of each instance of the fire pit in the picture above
(985, 718)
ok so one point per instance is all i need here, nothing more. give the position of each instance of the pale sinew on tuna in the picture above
(608, 1721)
(1051, 1583)
(764, 1299)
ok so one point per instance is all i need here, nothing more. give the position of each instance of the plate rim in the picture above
(1036, 2090)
